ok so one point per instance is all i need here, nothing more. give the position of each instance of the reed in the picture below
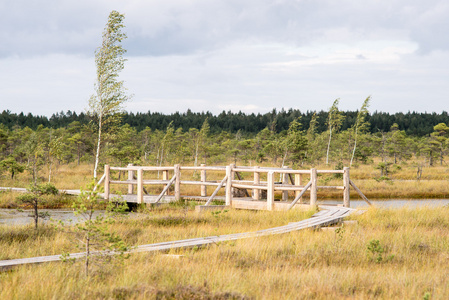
(305, 264)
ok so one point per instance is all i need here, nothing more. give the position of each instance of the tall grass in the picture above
(299, 265)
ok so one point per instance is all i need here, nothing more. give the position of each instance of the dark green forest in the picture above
(413, 123)
(290, 137)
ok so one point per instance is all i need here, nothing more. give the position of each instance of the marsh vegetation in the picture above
(389, 254)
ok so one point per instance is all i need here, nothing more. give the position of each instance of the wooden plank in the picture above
(229, 185)
(178, 182)
(165, 189)
(107, 181)
(195, 242)
(256, 181)
(346, 200)
(300, 195)
(12, 189)
(248, 186)
(313, 187)
(146, 182)
(266, 170)
(329, 171)
(203, 179)
(285, 182)
(139, 186)
(359, 192)
(322, 187)
(208, 183)
(270, 190)
(222, 183)
(135, 168)
(204, 168)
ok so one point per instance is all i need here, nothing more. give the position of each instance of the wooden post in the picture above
(346, 201)
(256, 192)
(140, 185)
(178, 182)
(313, 188)
(130, 177)
(106, 181)
(232, 176)
(298, 181)
(285, 181)
(165, 177)
(203, 179)
(229, 185)
(270, 190)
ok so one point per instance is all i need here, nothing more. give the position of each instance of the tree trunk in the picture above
(79, 155)
(36, 216)
(355, 146)
(328, 146)
(86, 265)
(97, 155)
(49, 172)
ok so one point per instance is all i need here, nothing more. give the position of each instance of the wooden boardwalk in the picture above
(327, 216)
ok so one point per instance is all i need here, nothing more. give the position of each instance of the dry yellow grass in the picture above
(300, 265)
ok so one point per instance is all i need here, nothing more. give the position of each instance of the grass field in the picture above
(409, 259)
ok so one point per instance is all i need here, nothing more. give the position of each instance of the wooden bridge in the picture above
(257, 193)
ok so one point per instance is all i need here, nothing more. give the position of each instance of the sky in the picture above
(214, 55)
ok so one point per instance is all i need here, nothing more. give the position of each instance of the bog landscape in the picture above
(229, 206)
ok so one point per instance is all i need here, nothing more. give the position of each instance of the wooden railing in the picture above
(290, 180)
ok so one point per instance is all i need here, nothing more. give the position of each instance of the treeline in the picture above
(412, 123)
(301, 145)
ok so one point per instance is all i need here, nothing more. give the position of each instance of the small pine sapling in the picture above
(37, 195)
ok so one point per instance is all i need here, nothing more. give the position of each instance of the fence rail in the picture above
(290, 181)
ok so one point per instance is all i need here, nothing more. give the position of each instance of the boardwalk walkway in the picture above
(327, 216)
(128, 198)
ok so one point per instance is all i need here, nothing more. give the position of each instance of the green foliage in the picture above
(101, 246)
(334, 122)
(37, 195)
(375, 251)
(360, 124)
(339, 234)
(106, 105)
(11, 165)
(279, 137)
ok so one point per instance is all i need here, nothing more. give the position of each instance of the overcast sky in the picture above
(214, 55)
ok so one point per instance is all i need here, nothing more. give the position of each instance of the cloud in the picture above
(184, 27)
(250, 55)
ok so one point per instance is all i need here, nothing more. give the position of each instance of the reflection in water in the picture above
(21, 217)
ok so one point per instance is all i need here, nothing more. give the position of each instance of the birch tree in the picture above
(360, 123)
(106, 105)
(334, 122)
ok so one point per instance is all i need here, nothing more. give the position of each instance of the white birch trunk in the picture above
(97, 155)
(328, 146)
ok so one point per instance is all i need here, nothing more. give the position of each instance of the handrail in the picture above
(300, 194)
(136, 168)
(359, 192)
(290, 182)
(222, 183)
(165, 189)
(99, 182)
